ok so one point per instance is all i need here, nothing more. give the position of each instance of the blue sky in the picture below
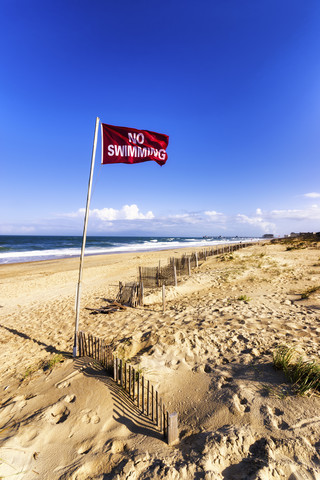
(235, 84)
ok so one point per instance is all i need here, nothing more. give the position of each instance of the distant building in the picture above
(268, 235)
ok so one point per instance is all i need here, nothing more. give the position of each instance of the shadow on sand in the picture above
(124, 410)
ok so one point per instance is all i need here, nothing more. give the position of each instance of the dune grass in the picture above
(304, 374)
(244, 298)
(43, 365)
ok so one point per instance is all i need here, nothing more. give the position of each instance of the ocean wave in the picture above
(29, 252)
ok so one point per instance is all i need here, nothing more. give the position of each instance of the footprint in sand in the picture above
(239, 405)
(70, 398)
(84, 447)
(58, 413)
(226, 382)
(63, 384)
(273, 418)
(90, 417)
(27, 436)
(244, 402)
(66, 382)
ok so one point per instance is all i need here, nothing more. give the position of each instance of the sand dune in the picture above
(209, 355)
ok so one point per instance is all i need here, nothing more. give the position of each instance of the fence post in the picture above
(134, 382)
(189, 266)
(164, 418)
(173, 433)
(197, 264)
(121, 374)
(89, 345)
(107, 350)
(163, 298)
(157, 409)
(160, 411)
(86, 345)
(175, 275)
(152, 403)
(141, 294)
(142, 393)
(79, 343)
(115, 369)
(92, 346)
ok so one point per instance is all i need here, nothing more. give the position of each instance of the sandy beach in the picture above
(209, 355)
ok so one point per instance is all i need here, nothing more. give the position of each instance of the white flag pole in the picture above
(75, 345)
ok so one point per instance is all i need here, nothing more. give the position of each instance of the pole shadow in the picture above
(47, 348)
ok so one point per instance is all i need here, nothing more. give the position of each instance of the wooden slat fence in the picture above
(150, 276)
(138, 388)
(91, 346)
(153, 277)
(129, 294)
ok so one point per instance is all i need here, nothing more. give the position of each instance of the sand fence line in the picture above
(132, 293)
(139, 390)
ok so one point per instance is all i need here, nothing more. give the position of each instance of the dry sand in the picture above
(209, 355)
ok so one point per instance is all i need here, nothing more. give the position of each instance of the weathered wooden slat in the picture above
(133, 383)
(152, 403)
(80, 344)
(115, 369)
(164, 420)
(121, 373)
(172, 432)
(160, 414)
(142, 388)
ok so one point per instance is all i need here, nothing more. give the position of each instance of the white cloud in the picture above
(130, 220)
(312, 195)
(131, 212)
(263, 225)
(212, 213)
(127, 212)
(309, 213)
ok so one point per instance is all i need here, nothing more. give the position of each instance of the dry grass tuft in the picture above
(304, 374)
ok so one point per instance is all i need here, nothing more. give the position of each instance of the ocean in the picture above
(29, 248)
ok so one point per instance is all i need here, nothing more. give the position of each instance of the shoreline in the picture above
(138, 249)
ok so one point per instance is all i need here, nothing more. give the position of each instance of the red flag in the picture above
(129, 145)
